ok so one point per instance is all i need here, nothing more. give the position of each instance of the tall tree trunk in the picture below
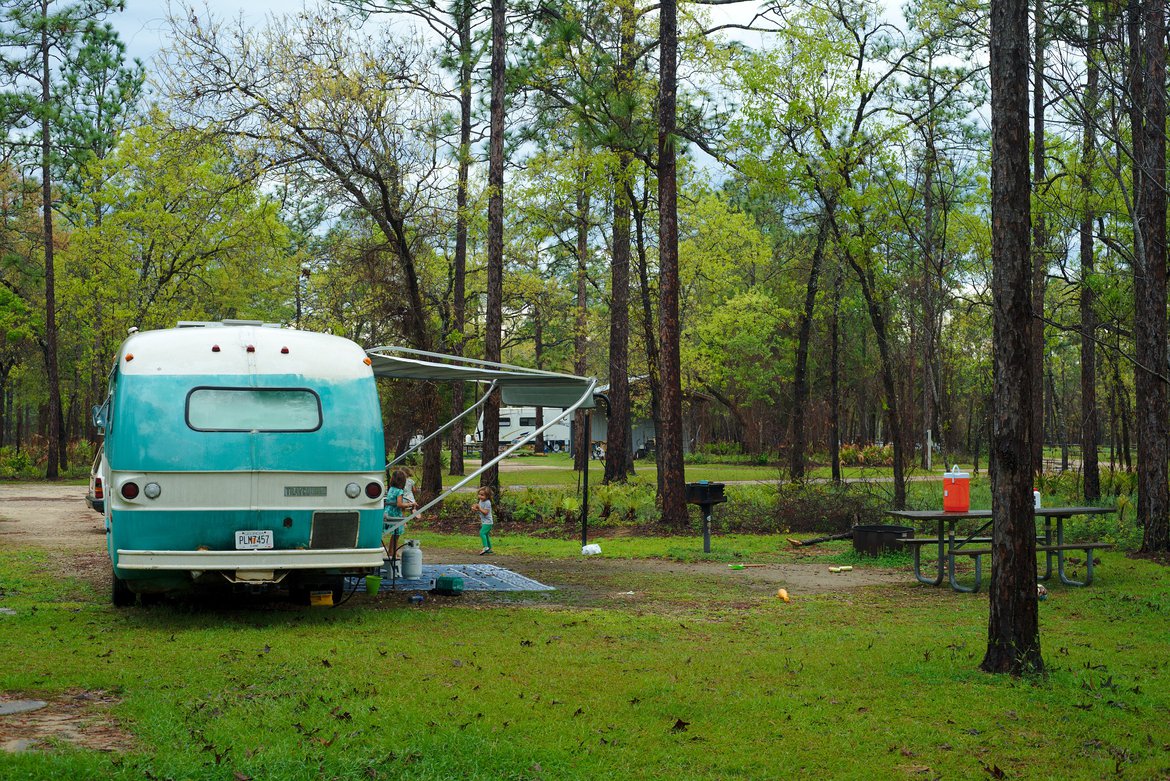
(1013, 628)
(893, 419)
(618, 458)
(931, 274)
(835, 382)
(1090, 426)
(1039, 245)
(1147, 25)
(670, 441)
(493, 327)
(649, 333)
(800, 372)
(56, 441)
(459, 283)
(538, 355)
(581, 332)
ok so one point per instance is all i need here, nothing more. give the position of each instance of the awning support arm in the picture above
(444, 427)
(512, 449)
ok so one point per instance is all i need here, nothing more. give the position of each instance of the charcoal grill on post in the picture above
(706, 495)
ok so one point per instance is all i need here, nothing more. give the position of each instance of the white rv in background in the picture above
(519, 422)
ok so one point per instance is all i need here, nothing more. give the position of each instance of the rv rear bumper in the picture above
(245, 560)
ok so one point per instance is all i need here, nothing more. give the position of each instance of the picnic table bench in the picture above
(950, 545)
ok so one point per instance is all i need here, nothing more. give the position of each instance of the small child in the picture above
(483, 508)
(408, 489)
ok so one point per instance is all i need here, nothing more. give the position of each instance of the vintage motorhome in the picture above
(240, 455)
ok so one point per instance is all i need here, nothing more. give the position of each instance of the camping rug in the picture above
(476, 577)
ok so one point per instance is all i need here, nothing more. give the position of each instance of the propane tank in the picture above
(411, 560)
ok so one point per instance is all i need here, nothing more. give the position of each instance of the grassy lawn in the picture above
(556, 469)
(694, 675)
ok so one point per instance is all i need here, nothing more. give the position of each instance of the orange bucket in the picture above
(956, 491)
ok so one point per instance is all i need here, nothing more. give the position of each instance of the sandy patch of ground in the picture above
(77, 718)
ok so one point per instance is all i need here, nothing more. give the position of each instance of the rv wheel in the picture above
(120, 594)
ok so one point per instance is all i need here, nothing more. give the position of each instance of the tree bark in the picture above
(800, 371)
(648, 329)
(618, 458)
(1013, 629)
(494, 321)
(459, 283)
(670, 440)
(1090, 426)
(1147, 25)
(580, 332)
(835, 382)
(56, 455)
(1039, 246)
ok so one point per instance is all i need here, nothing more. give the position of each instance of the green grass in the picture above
(694, 676)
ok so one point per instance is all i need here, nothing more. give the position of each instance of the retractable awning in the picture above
(518, 386)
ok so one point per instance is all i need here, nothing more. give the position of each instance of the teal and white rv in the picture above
(240, 455)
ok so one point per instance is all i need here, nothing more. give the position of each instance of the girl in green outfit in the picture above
(483, 507)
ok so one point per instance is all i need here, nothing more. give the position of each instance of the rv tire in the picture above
(120, 594)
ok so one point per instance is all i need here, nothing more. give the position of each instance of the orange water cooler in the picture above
(956, 491)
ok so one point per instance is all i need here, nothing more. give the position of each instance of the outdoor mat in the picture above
(476, 577)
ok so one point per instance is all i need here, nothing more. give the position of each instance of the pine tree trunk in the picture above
(670, 440)
(1148, 115)
(494, 321)
(1090, 426)
(1013, 635)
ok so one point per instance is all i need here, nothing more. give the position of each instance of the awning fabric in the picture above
(519, 387)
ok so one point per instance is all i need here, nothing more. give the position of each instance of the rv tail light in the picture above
(98, 491)
(129, 490)
(373, 490)
(352, 490)
(152, 490)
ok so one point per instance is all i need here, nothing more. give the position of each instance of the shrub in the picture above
(17, 464)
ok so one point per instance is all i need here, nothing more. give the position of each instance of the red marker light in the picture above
(284, 351)
(129, 490)
(373, 490)
(215, 348)
(251, 348)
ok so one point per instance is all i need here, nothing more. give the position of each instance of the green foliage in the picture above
(867, 455)
(14, 464)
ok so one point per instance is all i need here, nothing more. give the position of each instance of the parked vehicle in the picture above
(519, 422)
(240, 456)
(95, 498)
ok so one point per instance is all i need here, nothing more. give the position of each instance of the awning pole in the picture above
(512, 449)
(440, 430)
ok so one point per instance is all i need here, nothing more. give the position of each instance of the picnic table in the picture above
(950, 544)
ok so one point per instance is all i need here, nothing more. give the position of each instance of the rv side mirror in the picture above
(99, 416)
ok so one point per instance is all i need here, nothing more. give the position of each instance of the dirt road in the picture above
(55, 517)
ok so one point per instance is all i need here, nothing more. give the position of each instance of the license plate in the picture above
(254, 540)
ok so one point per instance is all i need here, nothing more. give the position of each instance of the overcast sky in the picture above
(143, 25)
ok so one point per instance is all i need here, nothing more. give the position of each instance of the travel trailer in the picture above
(240, 456)
(517, 423)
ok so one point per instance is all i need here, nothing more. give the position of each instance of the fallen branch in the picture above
(805, 543)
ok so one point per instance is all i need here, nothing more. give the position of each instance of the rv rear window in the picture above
(253, 409)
